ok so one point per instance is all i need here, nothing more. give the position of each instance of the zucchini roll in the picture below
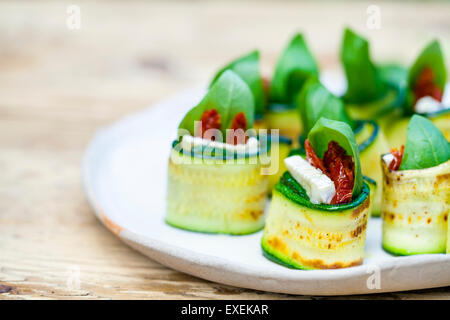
(416, 192)
(319, 210)
(316, 101)
(425, 87)
(216, 186)
(295, 65)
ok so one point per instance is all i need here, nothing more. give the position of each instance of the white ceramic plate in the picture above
(124, 175)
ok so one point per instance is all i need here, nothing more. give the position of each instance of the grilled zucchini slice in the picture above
(213, 196)
(302, 235)
(415, 210)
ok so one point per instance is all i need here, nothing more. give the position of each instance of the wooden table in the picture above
(57, 86)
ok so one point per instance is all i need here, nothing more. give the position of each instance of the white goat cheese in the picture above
(189, 142)
(428, 104)
(388, 158)
(318, 186)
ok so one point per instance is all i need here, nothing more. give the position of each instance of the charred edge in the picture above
(280, 246)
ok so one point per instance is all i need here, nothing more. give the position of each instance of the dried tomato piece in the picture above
(238, 136)
(425, 85)
(340, 167)
(210, 120)
(312, 158)
(398, 156)
(239, 122)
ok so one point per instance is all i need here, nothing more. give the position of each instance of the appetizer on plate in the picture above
(315, 101)
(425, 89)
(319, 210)
(416, 192)
(294, 67)
(214, 181)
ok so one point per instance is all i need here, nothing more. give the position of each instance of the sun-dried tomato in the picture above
(425, 85)
(340, 168)
(398, 156)
(239, 122)
(238, 136)
(210, 120)
(312, 158)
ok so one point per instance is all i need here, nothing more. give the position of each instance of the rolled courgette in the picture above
(307, 227)
(416, 192)
(302, 235)
(216, 185)
(415, 209)
(216, 196)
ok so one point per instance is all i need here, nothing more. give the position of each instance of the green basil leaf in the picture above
(315, 102)
(229, 95)
(425, 145)
(363, 81)
(432, 57)
(325, 131)
(294, 67)
(247, 67)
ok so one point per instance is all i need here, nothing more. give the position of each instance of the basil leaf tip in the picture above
(315, 102)
(229, 95)
(425, 145)
(248, 68)
(364, 83)
(295, 65)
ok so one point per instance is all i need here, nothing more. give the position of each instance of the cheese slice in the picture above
(318, 186)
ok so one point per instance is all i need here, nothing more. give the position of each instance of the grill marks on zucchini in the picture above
(307, 238)
(415, 210)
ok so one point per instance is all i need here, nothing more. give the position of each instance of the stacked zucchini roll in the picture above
(216, 186)
(320, 206)
(416, 192)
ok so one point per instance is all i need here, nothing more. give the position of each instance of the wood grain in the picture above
(58, 86)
